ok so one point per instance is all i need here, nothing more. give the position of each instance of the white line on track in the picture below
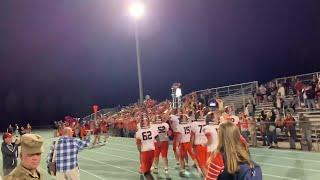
(280, 177)
(263, 163)
(90, 159)
(255, 154)
(265, 174)
(284, 157)
(99, 177)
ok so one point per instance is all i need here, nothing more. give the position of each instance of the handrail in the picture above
(240, 84)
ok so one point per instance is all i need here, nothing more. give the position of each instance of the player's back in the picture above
(185, 130)
(162, 129)
(211, 131)
(197, 129)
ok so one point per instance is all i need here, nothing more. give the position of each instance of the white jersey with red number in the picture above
(211, 131)
(197, 130)
(174, 121)
(147, 137)
(162, 129)
(185, 132)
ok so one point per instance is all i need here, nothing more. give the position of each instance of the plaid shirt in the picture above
(67, 153)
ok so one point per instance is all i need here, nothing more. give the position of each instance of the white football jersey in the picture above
(162, 129)
(174, 121)
(147, 137)
(197, 129)
(185, 131)
(211, 130)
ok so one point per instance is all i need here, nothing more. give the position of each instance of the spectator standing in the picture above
(244, 126)
(318, 94)
(263, 92)
(290, 129)
(263, 127)
(281, 91)
(9, 151)
(271, 130)
(310, 97)
(67, 163)
(10, 129)
(16, 130)
(298, 86)
(31, 149)
(28, 129)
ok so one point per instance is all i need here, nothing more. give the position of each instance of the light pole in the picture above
(137, 10)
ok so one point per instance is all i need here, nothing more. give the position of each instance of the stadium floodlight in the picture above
(137, 10)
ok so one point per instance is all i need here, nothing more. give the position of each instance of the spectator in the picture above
(271, 130)
(22, 131)
(263, 92)
(310, 97)
(249, 109)
(290, 130)
(16, 130)
(263, 127)
(318, 94)
(10, 129)
(244, 126)
(67, 163)
(28, 129)
(31, 149)
(230, 154)
(298, 86)
(9, 153)
(281, 91)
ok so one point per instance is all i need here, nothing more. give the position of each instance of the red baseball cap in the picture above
(6, 135)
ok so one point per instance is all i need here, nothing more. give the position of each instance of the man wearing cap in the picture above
(9, 153)
(31, 149)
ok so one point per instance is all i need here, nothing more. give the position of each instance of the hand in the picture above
(17, 141)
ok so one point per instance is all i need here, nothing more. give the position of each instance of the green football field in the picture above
(119, 159)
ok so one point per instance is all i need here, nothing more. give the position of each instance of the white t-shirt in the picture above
(211, 130)
(174, 122)
(162, 129)
(147, 137)
(197, 129)
(185, 131)
(178, 92)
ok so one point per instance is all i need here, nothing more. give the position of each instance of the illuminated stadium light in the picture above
(137, 9)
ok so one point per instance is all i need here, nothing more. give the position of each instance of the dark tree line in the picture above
(41, 109)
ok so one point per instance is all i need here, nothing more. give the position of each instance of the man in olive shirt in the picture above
(31, 149)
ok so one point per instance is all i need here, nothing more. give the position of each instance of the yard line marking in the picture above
(291, 167)
(280, 177)
(254, 154)
(285, 151)
(91, 174)
(268, 164)
(123, 157)
(284, 157)
(90, 159)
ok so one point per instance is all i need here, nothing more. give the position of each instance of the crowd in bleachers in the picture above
(301, 93)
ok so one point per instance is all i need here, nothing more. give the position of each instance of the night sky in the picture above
(60, 57)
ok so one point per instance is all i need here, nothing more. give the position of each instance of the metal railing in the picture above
(236, 93)
(302, 77)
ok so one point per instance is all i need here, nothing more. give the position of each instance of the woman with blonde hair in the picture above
(231, 160)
